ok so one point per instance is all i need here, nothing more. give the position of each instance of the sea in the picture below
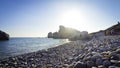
(17, 46)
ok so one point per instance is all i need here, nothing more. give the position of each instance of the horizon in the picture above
(35, 18)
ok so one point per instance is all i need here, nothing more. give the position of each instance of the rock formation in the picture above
(68, 33)
(4, 36)
(73, 34)
(50, 35)
(64, 33)
(55, 35)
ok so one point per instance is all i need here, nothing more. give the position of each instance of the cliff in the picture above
(4, 36)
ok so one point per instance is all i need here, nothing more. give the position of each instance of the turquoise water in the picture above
(17, 46)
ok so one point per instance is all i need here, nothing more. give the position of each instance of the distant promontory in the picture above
(3, 36)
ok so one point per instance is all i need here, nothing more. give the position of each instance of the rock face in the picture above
(4, 36)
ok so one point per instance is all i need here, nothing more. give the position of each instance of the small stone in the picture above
(90, 64)
(114, 61)
(99, 61)
(114, 57)
(15, 62)
(94, 67)
(31, 59)
(6, 64)
(117, 64)
(13, 58)
(106, 63)
(112, 67)
(33, 65)
(80, 65)
(25, 63)
(101, 66)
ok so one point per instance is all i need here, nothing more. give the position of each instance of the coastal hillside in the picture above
(110, 31)
(4, 36)
(113, 30)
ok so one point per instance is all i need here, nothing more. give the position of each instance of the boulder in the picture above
(4, 36)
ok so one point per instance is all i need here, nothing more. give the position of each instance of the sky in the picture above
(35, 18)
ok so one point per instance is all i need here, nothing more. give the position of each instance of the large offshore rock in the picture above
(65, 32)
(55, 35)
(4, 36)
(50, 35)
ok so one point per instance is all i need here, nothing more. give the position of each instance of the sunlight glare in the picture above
(71, 18)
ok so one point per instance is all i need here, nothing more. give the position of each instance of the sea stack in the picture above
(3, 36)
(64, 33)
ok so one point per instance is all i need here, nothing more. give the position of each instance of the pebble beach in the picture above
(98, 52)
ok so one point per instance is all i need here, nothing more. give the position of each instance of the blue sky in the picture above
(35, 18)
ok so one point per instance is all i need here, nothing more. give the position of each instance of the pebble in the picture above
(101, 66)
(112, 67)
(90, 64)
(99, 61)
(80, 65)
(106, 63)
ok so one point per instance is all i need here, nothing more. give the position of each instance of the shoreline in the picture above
(84, 54)
(18, 46)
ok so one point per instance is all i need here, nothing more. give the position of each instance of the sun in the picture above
(77, 18)
(70, 18)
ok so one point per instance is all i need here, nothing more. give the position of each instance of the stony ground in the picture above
(102, 52)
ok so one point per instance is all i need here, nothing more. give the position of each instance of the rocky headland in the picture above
(3, 36)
